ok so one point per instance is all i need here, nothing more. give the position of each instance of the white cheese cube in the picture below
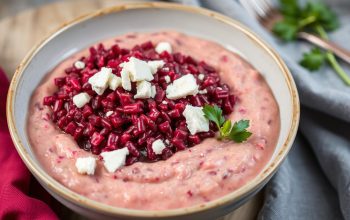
(167, 79)
(163, 46)
(204, 91)
(182, 87)
(79, 65)
(144, 90)
(126, 83)
(158, 146)
(153, 91)
(114, 82)
(114, 160)
(155, 65)
(86, 165)
(81, 99)
(138, 70)
(109, 113)
(99, 81)
(201, 76)
(195, 119)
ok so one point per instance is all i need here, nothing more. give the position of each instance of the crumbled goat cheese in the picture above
(81, 99)
(126, 83)
(114, 82)
(109, 113)
(201, 76)
(182, 87)
(99, 81)
(138, 70)
(195, 119)
(163, 46)
(114, 160)
(204, 91)
(144, 90)
(158, 146)
(86, 165)
(153, 91)
(155, 65)
(79, 65)
(167, 79)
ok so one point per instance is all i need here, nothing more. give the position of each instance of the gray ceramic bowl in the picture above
(140, 17)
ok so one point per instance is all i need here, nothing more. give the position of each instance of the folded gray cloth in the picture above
(314, 180)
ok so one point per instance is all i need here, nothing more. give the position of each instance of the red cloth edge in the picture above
(16, 180)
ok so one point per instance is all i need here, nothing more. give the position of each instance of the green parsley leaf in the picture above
(313, 60)
(239, 131)
(323, 15)
(226, 128)
(214, 113)
(296, 19)
(313, 17)
(289, 7)
(286, 29)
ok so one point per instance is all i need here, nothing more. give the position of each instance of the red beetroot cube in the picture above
(96, 139)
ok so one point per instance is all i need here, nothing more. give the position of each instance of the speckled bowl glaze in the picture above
(142, 17)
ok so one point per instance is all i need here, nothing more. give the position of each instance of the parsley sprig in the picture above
(236, 132)
(316, 18)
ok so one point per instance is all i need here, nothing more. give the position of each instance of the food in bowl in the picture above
(123, 123)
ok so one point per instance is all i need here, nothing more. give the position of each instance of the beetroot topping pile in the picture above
(145, 100)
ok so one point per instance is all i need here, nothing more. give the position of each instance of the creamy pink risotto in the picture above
(193, 176)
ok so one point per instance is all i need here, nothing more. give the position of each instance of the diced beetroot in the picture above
(180, 134)
(175, 113)
(150, 154)
(166, 153)
(58, 105)
(180, 107)
(116, 119)
(62, 122)
(220, 93)
(132, 108)
(95, 120)
(87, 111)
(96, 139)
(124, 138)
(89, 130)
(112, 141)
(207, 134)
(132, 149)
(194, 139)
(165, 127)
(159, 95)
(141, 125)
(78, 133)
(106, 124)
(74, 82)
(147, 45)
(154, 114)
(165, 116)
(130, 160)
(49, 100)
(124, 98)
(60, 81)
(179, 144)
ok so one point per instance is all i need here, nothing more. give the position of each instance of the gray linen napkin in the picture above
(314, 180)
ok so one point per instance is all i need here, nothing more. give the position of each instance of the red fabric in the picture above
(18, 200)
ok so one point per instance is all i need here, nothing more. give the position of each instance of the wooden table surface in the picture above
(19, 33)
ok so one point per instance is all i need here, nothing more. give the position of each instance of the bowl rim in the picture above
(85, 202)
